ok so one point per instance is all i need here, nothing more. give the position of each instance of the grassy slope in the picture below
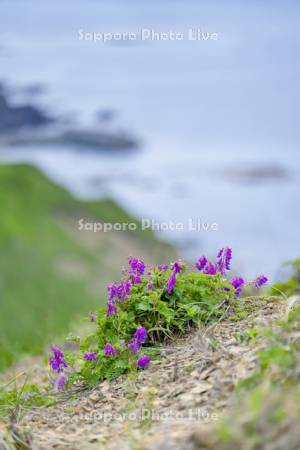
(265, 411)
(38, 234)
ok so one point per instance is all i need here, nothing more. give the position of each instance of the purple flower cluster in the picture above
(260, 281)
(90, 356)
(117, 292)
(109, 350)
(143, 361)
(139, 337)
(223, 260)
(111, 309)
(176, 268)
(136, 265)
(210, 269)
(57, 362)
(171, 283)
(141, 334)
(238, 283)
(201, 263)
(137, 268)
(222, 265)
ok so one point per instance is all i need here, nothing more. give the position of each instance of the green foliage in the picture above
(15, 398)
(266, 411)
(292, 285)
(248, 335)
(196, 298)
(278, 359)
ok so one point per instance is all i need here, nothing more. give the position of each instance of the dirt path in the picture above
(160, 408)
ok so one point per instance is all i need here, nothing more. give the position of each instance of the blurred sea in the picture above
(218, 120)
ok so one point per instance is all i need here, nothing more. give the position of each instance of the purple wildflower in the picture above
(163, 267)
(141, 334)
(90, 356)
(92, 317)
(136, 265)
(227, 257)
(238, 283)
(109, 350)
(111, 309)
(143, 361)
(119, 291)
(135, 278)
(210, 269)
(112, 291)
(176, 268)
(260, 281)
(201, 263)
(57, 362)
(60, 382)
(224, 258)
(135, 345)
(150, 285)
(137, 268)
(171, 283)
(126, 287)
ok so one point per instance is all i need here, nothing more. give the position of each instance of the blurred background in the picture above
(169, 130)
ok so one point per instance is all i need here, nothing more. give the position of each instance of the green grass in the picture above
(39, 230)
(265, 411)
(290, 286)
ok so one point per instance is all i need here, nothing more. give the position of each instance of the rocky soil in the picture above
(171, 405)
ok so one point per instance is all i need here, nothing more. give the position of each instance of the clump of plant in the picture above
(148, 305)
(266, 410)
(16, 397)
(279, 357)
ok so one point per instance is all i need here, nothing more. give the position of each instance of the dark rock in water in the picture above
(27, 125)
(258, 174)
(13, 118)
